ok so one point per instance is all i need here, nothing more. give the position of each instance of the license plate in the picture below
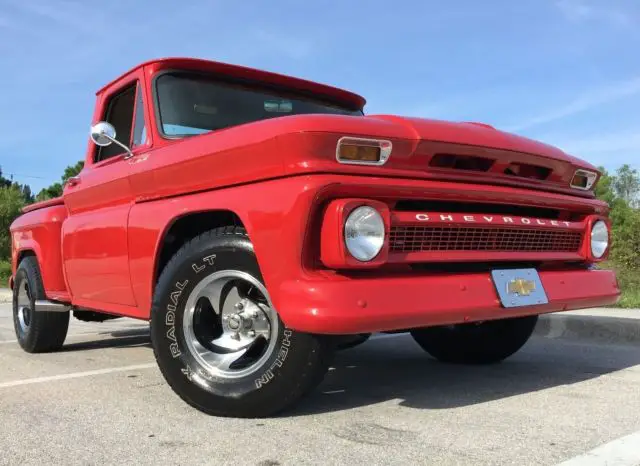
(519, 287)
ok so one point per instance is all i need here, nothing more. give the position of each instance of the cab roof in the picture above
(226, 69)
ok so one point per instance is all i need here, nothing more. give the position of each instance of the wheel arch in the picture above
(183, 228)
(29, 251)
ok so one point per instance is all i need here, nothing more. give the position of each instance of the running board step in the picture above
(51, 306)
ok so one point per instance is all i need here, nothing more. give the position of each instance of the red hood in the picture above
(432, 149)
(479, 134)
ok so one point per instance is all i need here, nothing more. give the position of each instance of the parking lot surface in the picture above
(103, 401)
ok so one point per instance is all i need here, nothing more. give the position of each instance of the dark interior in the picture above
(120, 114)
(191, 104)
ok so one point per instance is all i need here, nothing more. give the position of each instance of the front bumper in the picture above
(341, 305)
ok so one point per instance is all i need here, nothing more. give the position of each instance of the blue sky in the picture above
(566, 72)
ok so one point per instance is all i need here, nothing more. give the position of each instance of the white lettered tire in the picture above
(218, 340)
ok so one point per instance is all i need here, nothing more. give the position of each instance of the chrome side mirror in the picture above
(103, 134)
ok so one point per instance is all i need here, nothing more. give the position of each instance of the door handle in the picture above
(73, 181)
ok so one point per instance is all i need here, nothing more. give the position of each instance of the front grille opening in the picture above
(410, 205)
(461, 162)
(462, 238)
(524, 170)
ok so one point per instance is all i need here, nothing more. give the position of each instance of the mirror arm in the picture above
(115, 141)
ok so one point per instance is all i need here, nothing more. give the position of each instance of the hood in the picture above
(432, 149)
(481, 135)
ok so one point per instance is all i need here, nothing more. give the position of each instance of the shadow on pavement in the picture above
(397, 369)
(119, 340)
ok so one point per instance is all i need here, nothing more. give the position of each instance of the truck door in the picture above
(94, 239)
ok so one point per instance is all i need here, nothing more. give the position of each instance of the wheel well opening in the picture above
(23, 254)
(188, 227)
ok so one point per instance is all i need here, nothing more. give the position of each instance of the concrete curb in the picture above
(5, 295)
(596, 328)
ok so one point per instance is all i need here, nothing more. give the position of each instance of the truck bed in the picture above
(42, 204)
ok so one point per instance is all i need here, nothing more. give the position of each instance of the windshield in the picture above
(192, 104)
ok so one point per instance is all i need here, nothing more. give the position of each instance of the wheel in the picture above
(37, 332)
(217, 338)
(476, 343)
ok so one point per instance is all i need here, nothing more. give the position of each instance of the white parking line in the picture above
(624, 451)
(104, 332)
(75, 375)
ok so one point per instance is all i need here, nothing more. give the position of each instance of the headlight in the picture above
(364, 233)
(599, 239)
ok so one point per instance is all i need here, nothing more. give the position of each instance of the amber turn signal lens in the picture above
(583, 179)
(363, 153)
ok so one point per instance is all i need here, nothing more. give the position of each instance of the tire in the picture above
(290, 363)
(37, 332)
(484, 343)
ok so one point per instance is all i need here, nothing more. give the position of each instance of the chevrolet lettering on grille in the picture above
(490, 219)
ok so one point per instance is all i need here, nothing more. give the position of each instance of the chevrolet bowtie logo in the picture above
(521, 286)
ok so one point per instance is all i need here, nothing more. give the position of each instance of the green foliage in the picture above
(72, 170)
(55, 190)
(621, 192)
(626, 184)
(11, 203)
(50, 192)
(14, 196)
(5, 272)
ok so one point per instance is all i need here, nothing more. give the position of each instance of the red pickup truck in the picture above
(261, 222)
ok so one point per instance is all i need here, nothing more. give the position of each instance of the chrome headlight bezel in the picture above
(364, 233)
(600, 239)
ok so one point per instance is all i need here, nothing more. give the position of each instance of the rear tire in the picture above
(211, 300)
(36, 331)
(483, 343)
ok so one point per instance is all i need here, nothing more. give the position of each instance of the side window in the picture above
(120, 114)
(139, 130)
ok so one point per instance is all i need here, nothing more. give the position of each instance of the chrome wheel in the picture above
(24, 307)
(230, 325)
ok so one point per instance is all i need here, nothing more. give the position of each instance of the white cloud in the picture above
(582, 103)
(627, 141)
(607, 149)
(581, 11)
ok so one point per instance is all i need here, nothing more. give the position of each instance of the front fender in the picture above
(274, 213)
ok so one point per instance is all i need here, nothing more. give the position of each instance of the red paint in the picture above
(98, 246)
(403, 301)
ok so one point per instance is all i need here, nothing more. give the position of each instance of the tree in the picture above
(50, 192)
(604, 188)
(627, 184)
(27, 194)
(55, 190)
(72, 170)
(11, 203)
(4, 182)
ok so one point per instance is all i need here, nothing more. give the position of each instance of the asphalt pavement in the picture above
(103, 401)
